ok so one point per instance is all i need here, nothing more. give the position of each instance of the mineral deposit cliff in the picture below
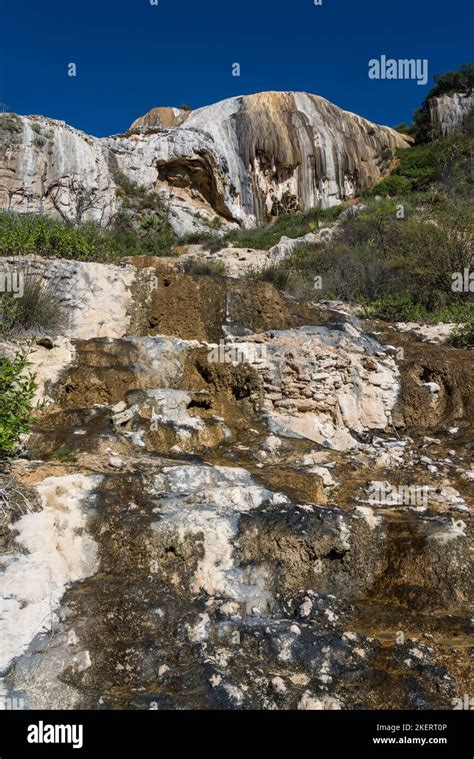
(243, 160)
(446, 113)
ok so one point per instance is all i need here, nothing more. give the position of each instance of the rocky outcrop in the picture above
(446, 113)
(242, 161)
(231, 500)
(164, 118)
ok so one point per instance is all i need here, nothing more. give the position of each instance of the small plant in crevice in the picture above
(40, 309)
(205, 268)
(64, 455)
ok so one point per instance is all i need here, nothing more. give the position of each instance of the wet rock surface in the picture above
(241, 503)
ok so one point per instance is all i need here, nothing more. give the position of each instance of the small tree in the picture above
(83, 199)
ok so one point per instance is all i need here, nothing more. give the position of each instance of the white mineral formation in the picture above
(243, 160)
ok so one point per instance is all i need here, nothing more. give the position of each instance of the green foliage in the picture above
(445, 164)
(392, 186)
(32, 234)
(290, 225)
(185, 107)
(278, 275)
(463, 335)
(17, 389)
(461, 80)
(397, 269)
(404, 128)
(63, 454)
(142, 224)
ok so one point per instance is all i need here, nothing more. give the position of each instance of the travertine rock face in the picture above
(96, 298)
(447, 112)
(162, 117)
(243, 160)
(242, 524)
(326, 384)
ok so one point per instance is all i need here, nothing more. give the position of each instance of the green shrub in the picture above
(392, 186)
(277, 274)
(33, 234)
(63, 454)
(463, 335)
(444, 163)
(142, 225)
(450, 82)
(17, 389)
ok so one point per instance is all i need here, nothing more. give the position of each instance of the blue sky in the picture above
(131, 55)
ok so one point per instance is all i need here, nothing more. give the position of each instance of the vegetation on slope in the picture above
(262, 238)
(399, 258)
(140, 228)
(17, 389)
(38, 310)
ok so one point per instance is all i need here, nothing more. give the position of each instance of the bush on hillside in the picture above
(17, 389)
(262, 238)
(396, 268)
(445, 164)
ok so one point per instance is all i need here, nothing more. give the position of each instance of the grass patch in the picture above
(37, 311)
(205, 268)
(463, 335)
(444, 164)
(35, 235)
(64, 455)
